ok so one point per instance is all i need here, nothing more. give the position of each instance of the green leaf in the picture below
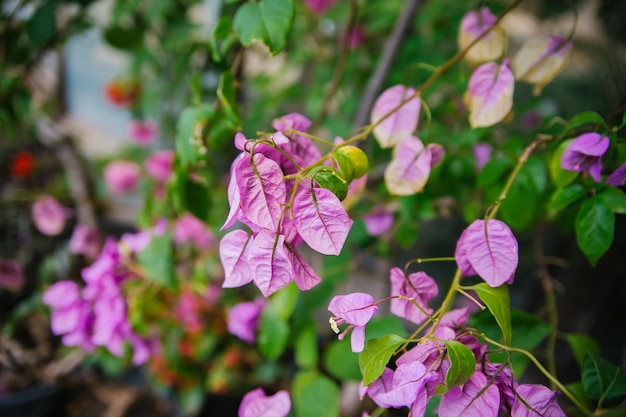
(376, 355)
(305, 346)
(340, 362)
(283, 302)
(519, 208)
(346, 167)
(332, 182)
(534, 174)
(198, 199)
(560, 176)
(218, 36)
(42, 27)
(268, 21)
(273, 334)
(498, 303)
(189, 144)
(227, 97)
(563, 197)
(595, 225)
(602, 380)
(315, 395)
(494, 170)
(157, 261)
(581, 344)
(615, 199)
(462, 363)
(125, 39)
(586, 118)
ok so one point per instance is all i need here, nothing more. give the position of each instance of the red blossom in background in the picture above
(22, 164)
(122, 91)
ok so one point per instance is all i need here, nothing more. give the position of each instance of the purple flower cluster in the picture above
(97, 315)
(491, 391)
(279, 213)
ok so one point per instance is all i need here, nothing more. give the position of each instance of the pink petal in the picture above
(305, 277)
(357, 339)
(402, 122)
(378, 221)
(356, 308)
(61, 294)
(421, 289)
(48, 215)
(491, 94)
(257, 404)
(402, 389)
(269, 266)
(262, 191)
(235, 259)
(320, 219)
(540, 398)
(410, 167)
(159, 165)
(475, 398)
(234, 198)
(491, 251)
(491, 46)
(121, 176)
(143, 132)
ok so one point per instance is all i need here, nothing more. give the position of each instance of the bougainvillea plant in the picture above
(244, 238)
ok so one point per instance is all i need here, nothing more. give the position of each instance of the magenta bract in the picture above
(618, 177)
(541, 399)
(49, 215)
(243, 320)
(320, 219)
(262, 191)
(271, 269)
(189, 228)
(234, 257)
(121, 176)
(488, 249)
(402, 123)
(421, 289)
(159, 165)
(584, 154)
(356, 309)
(490, 94)
(85, 240)
(475, 398)
(257, 404)
(143, 132)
